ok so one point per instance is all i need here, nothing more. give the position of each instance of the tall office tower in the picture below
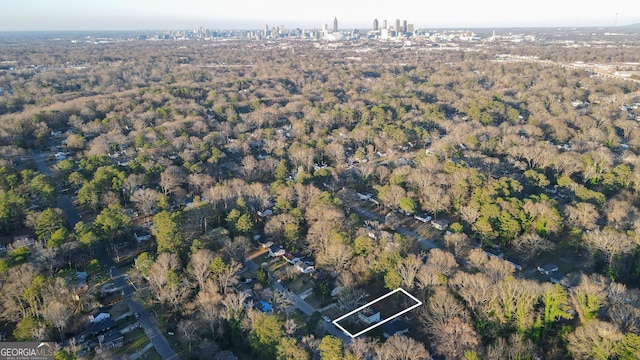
(266, 27)
(398, 29)
(404, 26)
(375, 24)
(384, 24)
(335, 24)
(410, 28)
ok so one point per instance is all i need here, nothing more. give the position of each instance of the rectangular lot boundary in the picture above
(336, 321)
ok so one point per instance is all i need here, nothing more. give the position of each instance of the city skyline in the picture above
(254, 14)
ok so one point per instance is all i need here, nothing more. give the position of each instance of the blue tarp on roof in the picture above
(265, 307)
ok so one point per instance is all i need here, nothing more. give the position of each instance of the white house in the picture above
(291, 258)
(143, 236)
(305, 267)
(424, 218)
(369, 315)
(102, 314)
(276, 250)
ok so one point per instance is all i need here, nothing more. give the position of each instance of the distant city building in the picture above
(335, 24)
(410, 28)
(397, 28)
(375, 24)
(384, 24)
(404, 26)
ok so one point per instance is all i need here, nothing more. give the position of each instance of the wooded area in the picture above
(215, 148)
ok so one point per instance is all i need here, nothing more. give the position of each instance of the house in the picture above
(394, 327)
(369, 315)
(547, 269)
(100, 315)
(22, 240)
(305, 266)
(3, 249)
(494, 252)
(335, 290)
(60, 156)
(102, 326)
(265, 213)
(142, 236)
(291, 258)
(112, 339)
(276, 250)
(319, 275)
(440, 224)
(266, 244)
(424, 218)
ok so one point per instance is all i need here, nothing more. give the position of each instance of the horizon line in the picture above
(319, 28)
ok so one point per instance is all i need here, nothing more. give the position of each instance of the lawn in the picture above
(258, 253)
(277, 265)
(134, 341)
(300, 284)
(318, 301)
(151, 354)
(264, 258)
(118, 309)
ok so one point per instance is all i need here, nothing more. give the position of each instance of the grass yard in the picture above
(276, 265)
(118, 309)
(263, 258)
(317, 301)
(151, 354)
(134, 341)
(300, 284)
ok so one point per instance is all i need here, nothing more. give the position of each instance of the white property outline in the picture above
(353, 336)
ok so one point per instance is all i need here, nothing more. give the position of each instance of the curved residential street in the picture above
(150, 328)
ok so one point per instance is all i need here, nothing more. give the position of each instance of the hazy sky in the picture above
(234, 14)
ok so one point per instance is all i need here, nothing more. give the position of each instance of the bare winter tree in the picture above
(400, 347)
(531, 245)
(171, 178)
(145, 200)
(595, 339)
(350, 298)
(199, 266)
(408, 269)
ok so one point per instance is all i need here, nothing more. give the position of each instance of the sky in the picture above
(29, 15)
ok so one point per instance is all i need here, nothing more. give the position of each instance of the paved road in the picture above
(297, 300)
(64, 202)
(150, 328)
(333, 330)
